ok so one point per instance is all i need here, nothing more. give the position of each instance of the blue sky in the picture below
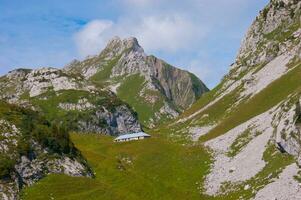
(202, 36)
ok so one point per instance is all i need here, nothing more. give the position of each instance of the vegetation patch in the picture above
(33, 126)
(275, 163)
(130, 90)
(260, 103)
(241, 141)
(49, 103)
(6, 166)
(106, 71)
(285, 30)
(148, 169)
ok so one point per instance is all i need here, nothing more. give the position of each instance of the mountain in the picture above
(241, 140)
(40, 107)
(31, 147)
(105, 93)
(70, 100)
(156, 90)
(251, 120)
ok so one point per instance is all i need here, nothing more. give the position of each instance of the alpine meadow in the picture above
(124, 124)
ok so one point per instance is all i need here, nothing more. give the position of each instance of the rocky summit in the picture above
(156, 90)
(252, 118)
(241, 140)
(106, 94)
(69, 99)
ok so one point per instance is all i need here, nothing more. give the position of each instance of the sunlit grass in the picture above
(149, 169)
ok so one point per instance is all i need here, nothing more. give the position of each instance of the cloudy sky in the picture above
(202, 36)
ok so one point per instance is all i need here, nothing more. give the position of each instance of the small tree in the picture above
(6, 166)
(279, 4)
(265, 12)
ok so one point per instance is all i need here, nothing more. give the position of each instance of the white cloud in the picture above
(161, 26)
(144, 4)
(177, 30)
(92, 38)
(137, 2)
(155, 33)
(168, 33)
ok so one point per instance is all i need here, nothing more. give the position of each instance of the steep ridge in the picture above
(253, 114)
(31, 148)
(156, 90)
(38, 109)
(70, 100)
(249, 123)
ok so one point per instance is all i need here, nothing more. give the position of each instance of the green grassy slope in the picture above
(148, 169)
(49, 102)
(159, 168)
(275, 163)
(273, 94)
(104, 75)
(129, 92)
(32, 126)
(270, 96)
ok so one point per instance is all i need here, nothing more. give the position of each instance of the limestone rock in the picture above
(172, 88)
(27, 161)
(48, 90)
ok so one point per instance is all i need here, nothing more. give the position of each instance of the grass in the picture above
(197, 86)
(129, 91)
(263, 101)
(241, 141)
(220, 108)
(149, 169)
(285, 30)
(30, 127)
(179, 132)
(104, 74)
(275, 163)
(160, 169)
(203, 101)
(49, 102)
(216, 112)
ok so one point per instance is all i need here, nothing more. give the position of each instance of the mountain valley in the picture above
(240, 140)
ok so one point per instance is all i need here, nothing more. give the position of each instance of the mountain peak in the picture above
(116, 43)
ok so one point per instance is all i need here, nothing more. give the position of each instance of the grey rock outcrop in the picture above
(274, 32)
(258, 104)
(287, 123)
(172, 88)
(119, 121)
(48, 90)
(24, 170)
(273, 40)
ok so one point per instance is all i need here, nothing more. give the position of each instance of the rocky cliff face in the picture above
(275, 31)
(69, 99)
(270, 50)
(287, 127)
(251, 120)
(155, 89)
(31, 148)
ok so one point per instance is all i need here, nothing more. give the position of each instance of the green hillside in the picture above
(148, 169)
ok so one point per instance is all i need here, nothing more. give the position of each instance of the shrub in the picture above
(53, 136)
(281, 4)
(24, 147)
(6, 166)
(265, 12)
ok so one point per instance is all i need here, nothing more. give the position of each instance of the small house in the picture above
(132, 136)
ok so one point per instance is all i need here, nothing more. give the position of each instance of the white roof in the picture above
(132, 135)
